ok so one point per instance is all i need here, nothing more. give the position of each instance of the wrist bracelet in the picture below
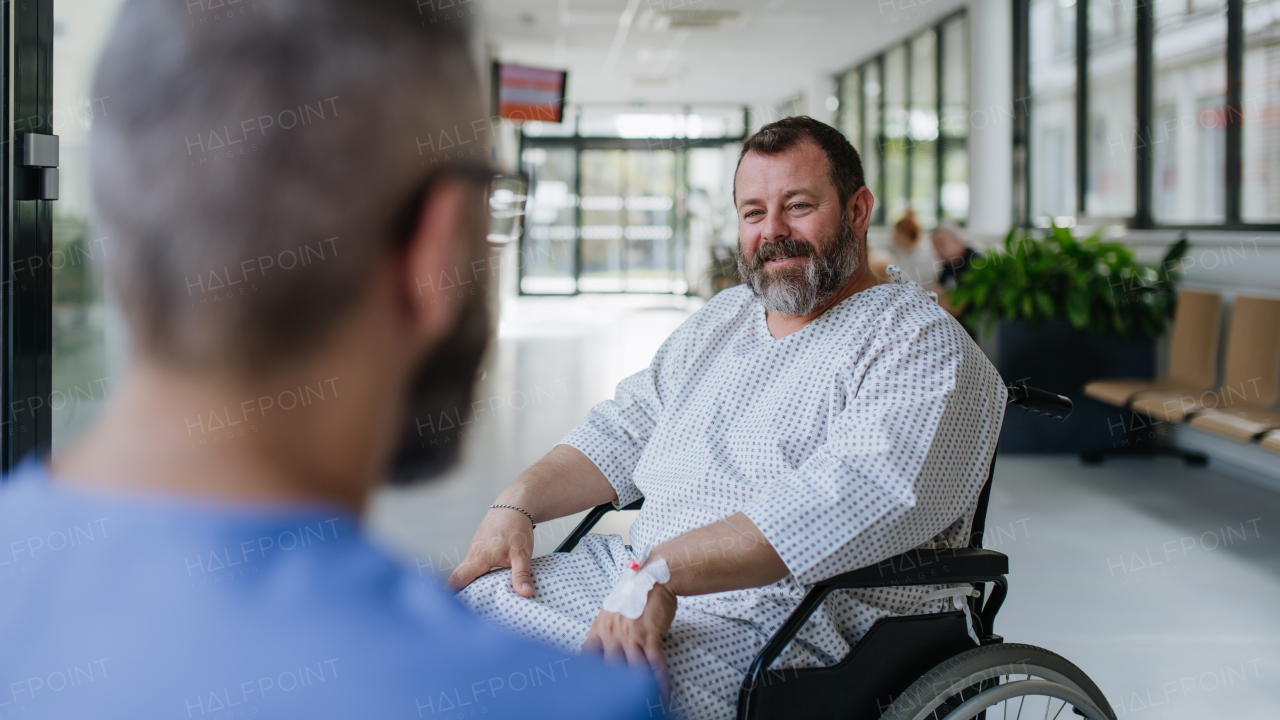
(513, 507)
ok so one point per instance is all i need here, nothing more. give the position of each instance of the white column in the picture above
(990, 117)
(817, 92)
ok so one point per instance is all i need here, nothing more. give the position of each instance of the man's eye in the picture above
(751, 213)
(799, 206)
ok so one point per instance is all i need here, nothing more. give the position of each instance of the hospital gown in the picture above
(863, 435)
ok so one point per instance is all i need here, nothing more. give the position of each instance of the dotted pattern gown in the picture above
(863, 435)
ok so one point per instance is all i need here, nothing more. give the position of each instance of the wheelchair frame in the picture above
(896, 651)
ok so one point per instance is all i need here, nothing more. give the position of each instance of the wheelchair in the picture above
(918, 667)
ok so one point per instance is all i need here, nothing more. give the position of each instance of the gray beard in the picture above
(794, 291)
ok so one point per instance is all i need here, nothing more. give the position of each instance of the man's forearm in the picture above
(729, 554)
(562, 483)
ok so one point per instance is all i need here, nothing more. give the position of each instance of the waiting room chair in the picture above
(1251, 381)
(1193, 353)
(1271, 441)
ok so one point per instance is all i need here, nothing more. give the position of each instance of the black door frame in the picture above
(28, 228)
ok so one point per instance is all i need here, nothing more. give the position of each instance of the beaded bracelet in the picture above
(513, 507)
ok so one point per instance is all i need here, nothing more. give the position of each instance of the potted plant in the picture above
(1067, 311)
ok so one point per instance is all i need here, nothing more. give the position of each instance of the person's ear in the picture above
(859, 210)
(436, 259)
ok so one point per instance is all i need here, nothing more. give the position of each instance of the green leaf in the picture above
(1045, 302)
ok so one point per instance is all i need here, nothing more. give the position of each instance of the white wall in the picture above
(990, 124)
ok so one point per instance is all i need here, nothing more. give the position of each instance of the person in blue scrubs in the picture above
(295, 229)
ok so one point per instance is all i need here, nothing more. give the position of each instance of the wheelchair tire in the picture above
(969, 684)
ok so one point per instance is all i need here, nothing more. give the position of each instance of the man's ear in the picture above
(859, 210)
(434, 258)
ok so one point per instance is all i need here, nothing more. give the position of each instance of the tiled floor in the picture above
(1162, 582)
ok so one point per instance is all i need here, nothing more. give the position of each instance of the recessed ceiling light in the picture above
(694, 19)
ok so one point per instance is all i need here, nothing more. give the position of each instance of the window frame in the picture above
(26, 340)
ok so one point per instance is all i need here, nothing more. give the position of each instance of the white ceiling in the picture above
(768, 50)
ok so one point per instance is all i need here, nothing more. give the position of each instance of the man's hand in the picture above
(637, 641)
(504, 539)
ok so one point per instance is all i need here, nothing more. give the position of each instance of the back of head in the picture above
(251, 173)
(907, 229)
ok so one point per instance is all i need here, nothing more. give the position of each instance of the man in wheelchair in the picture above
(812, 421)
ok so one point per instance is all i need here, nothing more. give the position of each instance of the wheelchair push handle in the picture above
(1041, 402)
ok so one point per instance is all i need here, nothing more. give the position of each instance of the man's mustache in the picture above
(786, 247)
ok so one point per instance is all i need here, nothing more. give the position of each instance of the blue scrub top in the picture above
(141, 607)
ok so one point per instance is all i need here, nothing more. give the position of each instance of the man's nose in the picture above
(774, 227)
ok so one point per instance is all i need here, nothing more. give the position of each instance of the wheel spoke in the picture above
(1064, 705)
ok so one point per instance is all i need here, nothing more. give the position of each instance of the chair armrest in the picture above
(941, 566)
(571, 541)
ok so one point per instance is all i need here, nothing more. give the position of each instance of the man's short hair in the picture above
(844, 166)
(254, 163)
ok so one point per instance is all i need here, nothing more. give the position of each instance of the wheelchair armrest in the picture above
(942, 566)
(572, 539)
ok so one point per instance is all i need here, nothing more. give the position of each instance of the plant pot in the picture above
(1055, 357)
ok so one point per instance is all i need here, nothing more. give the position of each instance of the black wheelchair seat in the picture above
(892, 654)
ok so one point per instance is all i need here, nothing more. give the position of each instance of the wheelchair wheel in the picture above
(1009, 679)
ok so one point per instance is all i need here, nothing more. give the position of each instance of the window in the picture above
(89, 338)
(1112, 126)
(1188, 138)
(953, 138)
(1260, 106)
(1053, 95)
(1176, 114)
(628, 199)
(906, 111)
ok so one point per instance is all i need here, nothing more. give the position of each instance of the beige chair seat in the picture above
(1193, 353)
(1170, 405)
(1271, 441)
(1242, 423)
(1120, 391)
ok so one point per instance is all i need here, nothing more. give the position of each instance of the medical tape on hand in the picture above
(632, 591)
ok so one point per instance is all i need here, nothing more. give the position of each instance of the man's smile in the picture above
(778, 261)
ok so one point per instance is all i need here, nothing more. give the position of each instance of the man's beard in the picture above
(440, 399)
(798, 289)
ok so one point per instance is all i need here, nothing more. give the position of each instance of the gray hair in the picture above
(254, 163)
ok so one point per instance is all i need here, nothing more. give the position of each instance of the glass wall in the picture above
(1179, 119)
(872, 111)
(922, 126)
(894, 140)
(551, 223)
(954, 125)
(629, 200)
(1053, 119)
(1188, 138)
(89, 337)
(1113, 120)
(1260, 105)
(906, 111)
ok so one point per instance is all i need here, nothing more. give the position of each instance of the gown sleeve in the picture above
(905, 458)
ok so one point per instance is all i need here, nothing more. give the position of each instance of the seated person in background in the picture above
(809, 422)
(197, 553)
(955, 258)
(914, 258)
